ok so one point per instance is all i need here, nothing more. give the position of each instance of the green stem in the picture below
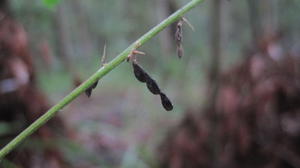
(96, 76)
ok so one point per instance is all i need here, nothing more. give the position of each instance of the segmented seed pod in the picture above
(139, 73)
(178, 33)
(178, 38)
(152, 86)
(167, 104)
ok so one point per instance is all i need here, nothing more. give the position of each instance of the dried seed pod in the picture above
(139, 73)
(152, 86)
(178, 33)
(180, 51)
(89, 90)
(178, 38)
(167, 104)
(95, 85)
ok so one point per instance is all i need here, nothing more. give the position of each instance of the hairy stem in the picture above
(95, 77)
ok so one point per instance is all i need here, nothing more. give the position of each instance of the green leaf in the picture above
(51, 3)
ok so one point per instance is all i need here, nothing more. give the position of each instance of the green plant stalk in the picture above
(95, 77)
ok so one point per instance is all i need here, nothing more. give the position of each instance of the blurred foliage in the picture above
(51, 3)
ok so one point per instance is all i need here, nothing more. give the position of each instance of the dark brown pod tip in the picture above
(152, 86)
(88, 91)
(167, 104)
(139, 73)
(94, 85)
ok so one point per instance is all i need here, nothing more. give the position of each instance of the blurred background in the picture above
(236, 91)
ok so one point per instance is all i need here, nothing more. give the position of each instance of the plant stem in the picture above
(95, 77)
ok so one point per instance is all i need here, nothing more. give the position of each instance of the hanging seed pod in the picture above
(152, 86)
(178, 33)
(142, 76)
(139, 73)
(167, 104)
(178, 38)
(180, 51)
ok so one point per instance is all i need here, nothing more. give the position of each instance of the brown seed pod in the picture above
(95, 85)
(152, 86)
(139, 73)
(167, 104)
(89, 90)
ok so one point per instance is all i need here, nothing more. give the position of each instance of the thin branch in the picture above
(103, 55)
(188, 23)
(95, 77)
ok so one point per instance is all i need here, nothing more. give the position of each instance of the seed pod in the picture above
(180, 51)
(178, 38)
(152, 86)
(139, 73)
(178, 33)
(94, 85)
(89, 90)
(167, 104)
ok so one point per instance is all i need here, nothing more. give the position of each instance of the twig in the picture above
(103, 55)
(95, 77)
(188, 23)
